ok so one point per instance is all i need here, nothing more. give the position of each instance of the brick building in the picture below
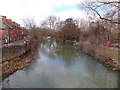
(9, 31)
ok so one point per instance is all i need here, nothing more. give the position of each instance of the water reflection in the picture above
(58, 65)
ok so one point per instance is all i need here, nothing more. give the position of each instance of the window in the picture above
(0, 19)
(2, 26)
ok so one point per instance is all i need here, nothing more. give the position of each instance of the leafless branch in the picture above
(117, 2)
(90, 7)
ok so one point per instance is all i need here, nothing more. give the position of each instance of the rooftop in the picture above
(9, 22)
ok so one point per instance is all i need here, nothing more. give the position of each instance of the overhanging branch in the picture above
(102, 17)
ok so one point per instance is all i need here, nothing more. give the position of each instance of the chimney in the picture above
(4, 17)
(13, 22)
(16, 23)
(10, 20)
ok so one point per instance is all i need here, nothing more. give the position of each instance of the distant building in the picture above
(9, 31)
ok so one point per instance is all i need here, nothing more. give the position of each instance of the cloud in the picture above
(37, 9)
(72, 13)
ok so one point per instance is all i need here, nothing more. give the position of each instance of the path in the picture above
(13, 43)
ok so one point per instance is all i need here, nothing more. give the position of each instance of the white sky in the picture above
(17, 10)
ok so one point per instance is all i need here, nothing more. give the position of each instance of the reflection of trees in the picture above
(47, 46)
(96, 73)
(66, 52)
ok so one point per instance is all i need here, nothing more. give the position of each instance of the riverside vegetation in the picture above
(91, 34)
(70, 33)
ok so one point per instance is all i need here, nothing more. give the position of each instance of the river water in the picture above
(60, 65)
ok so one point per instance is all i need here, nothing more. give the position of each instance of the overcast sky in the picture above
(18, 10)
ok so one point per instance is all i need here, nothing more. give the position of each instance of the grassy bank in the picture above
(104, 55)
(108, 52)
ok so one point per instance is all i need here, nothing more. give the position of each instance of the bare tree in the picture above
(35, 32)
(29, 23)
(50, 22)
(111, 9)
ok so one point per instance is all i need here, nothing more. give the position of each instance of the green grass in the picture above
(108, 52)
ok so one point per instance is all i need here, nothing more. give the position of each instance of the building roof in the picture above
(8, 22)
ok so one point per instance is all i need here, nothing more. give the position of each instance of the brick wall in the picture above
(12, 29)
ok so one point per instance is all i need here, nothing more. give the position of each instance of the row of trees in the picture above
(96, 30)
(106, 16)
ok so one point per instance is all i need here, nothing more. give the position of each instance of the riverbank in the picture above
(106, 56)
(17, 58)
(101, 54)
(8, 67)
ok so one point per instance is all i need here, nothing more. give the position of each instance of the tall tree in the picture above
(29, 23)
(70, 30)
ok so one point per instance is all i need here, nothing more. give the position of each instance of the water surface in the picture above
(60, 65)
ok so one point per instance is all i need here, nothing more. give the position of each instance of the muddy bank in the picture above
(92, 51)
(10, 52)
(8, 67)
